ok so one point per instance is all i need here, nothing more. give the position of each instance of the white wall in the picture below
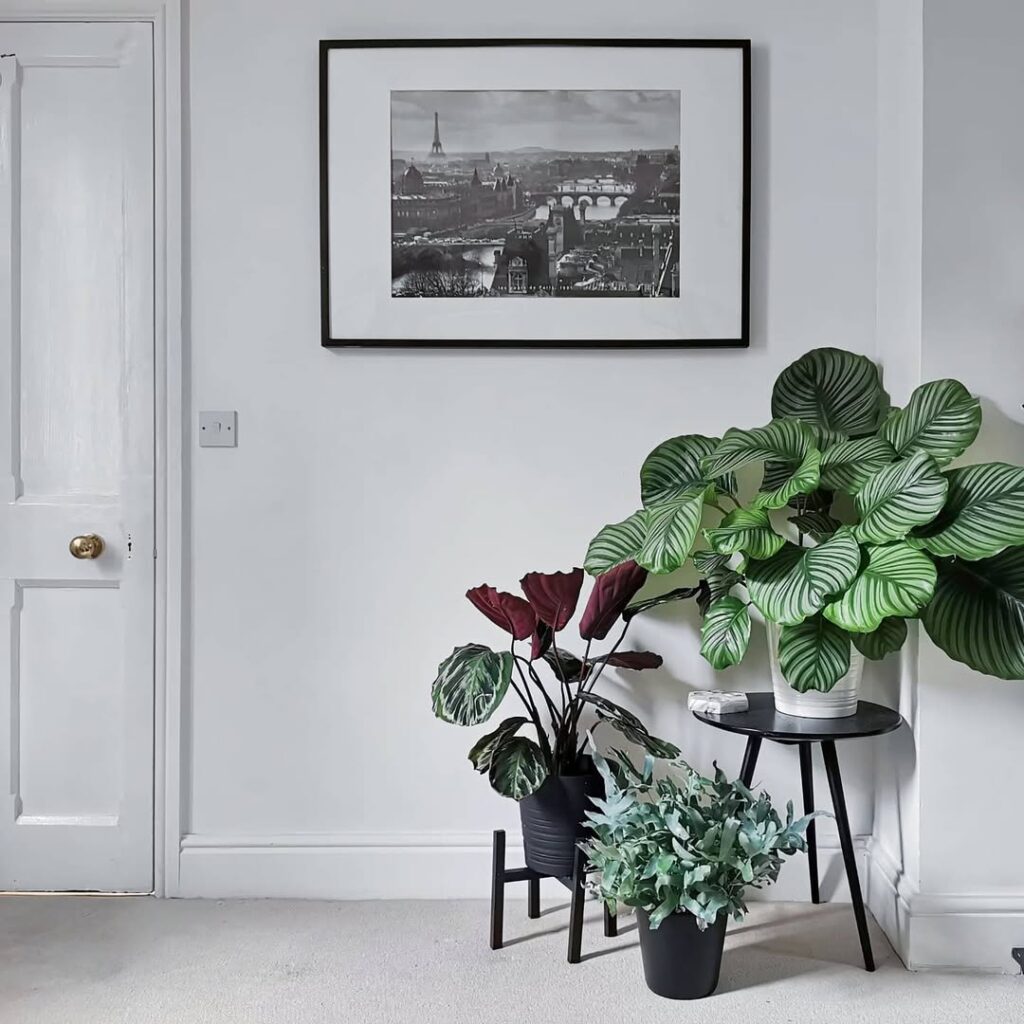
(370, 489)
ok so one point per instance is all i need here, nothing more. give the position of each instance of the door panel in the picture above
(76, 456)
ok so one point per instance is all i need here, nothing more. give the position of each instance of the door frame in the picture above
(171, 400)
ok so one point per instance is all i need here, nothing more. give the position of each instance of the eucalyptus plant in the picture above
(859, 524)
(474, 680)
(694, 845)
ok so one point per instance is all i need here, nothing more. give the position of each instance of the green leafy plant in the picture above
(691, 845)
(474, 680)
(858, 524)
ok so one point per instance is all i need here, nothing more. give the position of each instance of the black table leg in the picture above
(497, 888)
(533, 898)
(835, 784)
(807, 783)
(576, 907)
(611, 923)
(750, 760)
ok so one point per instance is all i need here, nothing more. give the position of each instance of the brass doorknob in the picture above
(89, 545)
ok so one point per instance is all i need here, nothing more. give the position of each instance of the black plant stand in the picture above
(501, 876)
(761, 721)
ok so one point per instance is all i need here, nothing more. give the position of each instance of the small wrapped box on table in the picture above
(717, 702)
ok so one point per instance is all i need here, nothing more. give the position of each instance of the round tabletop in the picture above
(761, 719)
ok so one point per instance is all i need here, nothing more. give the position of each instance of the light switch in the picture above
(218, 429)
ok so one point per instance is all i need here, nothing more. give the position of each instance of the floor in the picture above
(82, 960)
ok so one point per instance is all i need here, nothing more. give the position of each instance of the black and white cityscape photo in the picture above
(535, 193)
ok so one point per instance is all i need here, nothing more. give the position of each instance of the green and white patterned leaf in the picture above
(834, 389)
(898, 580)
(629, 725)
(746, 530)
(716, 584)
(817, 525)
(898, 498)
(797, 582)
(616, 543)
(814, 655)
(977, 613)
(674, 467)
(802, 480)
(942, 418)
(725, 634)
(781, 440)
(471, 682)
(517, 768)
(850, 464)
(709, 561)
(670, 530)
(983, 514)
(483, 750)
(879, 643)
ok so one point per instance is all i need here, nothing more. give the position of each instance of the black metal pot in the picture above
(553, 821)
(680, 960)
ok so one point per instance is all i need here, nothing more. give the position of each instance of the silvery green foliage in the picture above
(684, 843)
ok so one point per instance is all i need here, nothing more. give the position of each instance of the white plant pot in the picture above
(839, 702)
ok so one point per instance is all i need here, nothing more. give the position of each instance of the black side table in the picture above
(762, 722)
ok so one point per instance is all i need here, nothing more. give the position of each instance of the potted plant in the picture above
(683, 853)
(858, 525)
(551, 776)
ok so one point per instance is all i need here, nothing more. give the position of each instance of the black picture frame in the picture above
(327, 341)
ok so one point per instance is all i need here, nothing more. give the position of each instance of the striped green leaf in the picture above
(746, 530)
(483, 750)
(616, 543)
(849, 465)
(898, 580)
(629, 725)
(708, 561)
(818, 525)
(898, 498)
(983, 514)
(887, 639)
(717, 583)
(797, 582)
(781, 440)
(942, 418)
(517, 768)
(670, 530)
(471, 682)
(725, 634)
(831, 388)
(814, 655)
(977, 613)
(802, 480)
(675, 466)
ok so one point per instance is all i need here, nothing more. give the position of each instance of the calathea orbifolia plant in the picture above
(859, 523)
(691, 845)
(475, 679)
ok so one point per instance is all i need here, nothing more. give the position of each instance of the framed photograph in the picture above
(535, 193)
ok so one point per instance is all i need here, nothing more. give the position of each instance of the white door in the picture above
(76, 456)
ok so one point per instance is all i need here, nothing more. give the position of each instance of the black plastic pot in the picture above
(680, 960)
(553, 821)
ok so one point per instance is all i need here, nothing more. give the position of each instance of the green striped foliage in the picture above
(850, 464)
(517, 768)
(471, 682)
(616, 543)
(745, 530)
(817, 525)
(887, 639)
(725, 633)
(670, 529)
(782, 440)
(814, 655)
(629, 726)
(802, 480)
(898, 498)
(674, 467)
(942, 418)
(897, 580)
(483, 750)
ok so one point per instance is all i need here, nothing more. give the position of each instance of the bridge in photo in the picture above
(582, 192)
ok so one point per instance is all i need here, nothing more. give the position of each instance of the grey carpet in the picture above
(80, 960)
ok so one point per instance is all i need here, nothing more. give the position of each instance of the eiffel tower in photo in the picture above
(435, 147)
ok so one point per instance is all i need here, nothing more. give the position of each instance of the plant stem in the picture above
(542, 733)
(591, 683)
(555, 715)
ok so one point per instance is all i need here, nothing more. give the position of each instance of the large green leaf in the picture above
(819, 525)
(629, 725)
(831, 388)
(887, 639)
(977, 613)
(801, 480)
(716, 584)
(782, 440)
(797, 582)
(849, 465)
(898, 498)
(484, 748)
(725, 634)
(670, 530)
(897, 580)
(814, 655)
(746, 530)
(983, 514)
(517, 768)
(616, 543)
(470, 684)
(675, 466)
(942, 418)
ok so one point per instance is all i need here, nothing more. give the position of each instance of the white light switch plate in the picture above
(218, 429)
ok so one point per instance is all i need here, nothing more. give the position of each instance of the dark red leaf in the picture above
(553, 595)
(511, 613)
(612, 592)
(542, 637)
(633, 659)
